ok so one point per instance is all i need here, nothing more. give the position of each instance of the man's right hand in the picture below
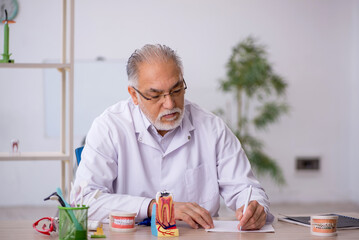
(193, 214)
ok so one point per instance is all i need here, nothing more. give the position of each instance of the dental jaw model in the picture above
(163, 223)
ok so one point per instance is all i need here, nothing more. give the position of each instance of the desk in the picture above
(22, 230)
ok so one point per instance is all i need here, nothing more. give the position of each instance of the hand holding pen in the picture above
(249, 194)
(251, 215)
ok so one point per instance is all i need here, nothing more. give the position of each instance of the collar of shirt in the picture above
(181, 134)
(163, 141)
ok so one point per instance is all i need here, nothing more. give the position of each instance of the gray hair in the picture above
(150, 53)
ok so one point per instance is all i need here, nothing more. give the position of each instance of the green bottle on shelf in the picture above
(6, 55)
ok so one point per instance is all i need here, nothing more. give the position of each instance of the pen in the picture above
(247, 202)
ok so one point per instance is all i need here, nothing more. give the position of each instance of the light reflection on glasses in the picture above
(173, 93)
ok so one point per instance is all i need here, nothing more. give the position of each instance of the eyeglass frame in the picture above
(159, 96)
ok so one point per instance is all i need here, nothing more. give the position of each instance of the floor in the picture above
(37, 212)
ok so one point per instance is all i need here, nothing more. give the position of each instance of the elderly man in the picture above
(156, 140)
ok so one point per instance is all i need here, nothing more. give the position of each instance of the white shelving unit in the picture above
(66, 69)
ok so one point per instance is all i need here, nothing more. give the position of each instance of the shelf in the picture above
(66, 70)
(4, 156)
(35, 65)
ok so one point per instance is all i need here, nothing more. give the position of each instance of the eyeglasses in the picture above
(173, 93)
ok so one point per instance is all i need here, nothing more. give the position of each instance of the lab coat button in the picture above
(140, 139)
(189, 137)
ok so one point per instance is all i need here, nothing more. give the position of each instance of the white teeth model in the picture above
(164, 206)
(163, 193)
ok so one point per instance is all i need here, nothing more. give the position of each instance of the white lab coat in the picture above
(203, 161)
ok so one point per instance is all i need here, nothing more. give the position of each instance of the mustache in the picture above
(166, 112)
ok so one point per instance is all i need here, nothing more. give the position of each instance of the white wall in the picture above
(313, 44)
(353, 162)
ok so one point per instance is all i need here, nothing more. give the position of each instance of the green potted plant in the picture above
(260, 98)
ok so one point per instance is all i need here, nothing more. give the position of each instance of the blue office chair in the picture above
(78, 152)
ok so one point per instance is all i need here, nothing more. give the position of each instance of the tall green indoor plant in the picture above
(260, 99)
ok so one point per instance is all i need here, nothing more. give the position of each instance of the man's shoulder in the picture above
(120, 111)
(199, 115)
(119, 107)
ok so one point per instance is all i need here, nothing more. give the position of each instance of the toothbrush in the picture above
(75, 190)
(72, 194)
(94, 197)
(83, 184)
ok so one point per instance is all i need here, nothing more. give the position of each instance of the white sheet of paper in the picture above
(231, 226)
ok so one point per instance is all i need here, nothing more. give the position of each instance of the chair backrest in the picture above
(78, 152)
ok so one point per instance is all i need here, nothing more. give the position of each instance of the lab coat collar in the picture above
(141, 124)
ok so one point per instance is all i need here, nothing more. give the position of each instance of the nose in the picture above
(168, 103)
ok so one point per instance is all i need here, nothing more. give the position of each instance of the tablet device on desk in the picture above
(344, 222)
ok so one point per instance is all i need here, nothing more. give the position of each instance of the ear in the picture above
(133, 94)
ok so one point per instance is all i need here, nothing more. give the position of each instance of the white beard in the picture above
(168, 126)
(160, 125)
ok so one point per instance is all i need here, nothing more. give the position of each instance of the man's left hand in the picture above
(253, 218)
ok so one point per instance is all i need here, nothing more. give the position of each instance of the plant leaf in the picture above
(264, 164)
(251, 77)
(278, 84)
(249, 142)
(269, 113)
